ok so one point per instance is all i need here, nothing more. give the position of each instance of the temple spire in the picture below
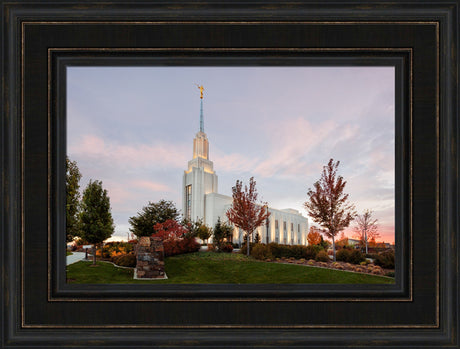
(201, 108)
(201, 117)
(200, 143)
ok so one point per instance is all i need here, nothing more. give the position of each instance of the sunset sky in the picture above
(133, 128)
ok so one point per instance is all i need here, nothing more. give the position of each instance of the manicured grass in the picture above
(220, 268)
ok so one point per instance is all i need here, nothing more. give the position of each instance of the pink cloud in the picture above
(291, 141)
(234, 162)
(290, 144)
(152, 186)
(118, 194)
(158, 154)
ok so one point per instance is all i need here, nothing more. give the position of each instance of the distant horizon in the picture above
(133, 129)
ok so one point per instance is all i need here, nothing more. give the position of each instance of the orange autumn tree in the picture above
(372, 242)
(246, 213)
(314, 237)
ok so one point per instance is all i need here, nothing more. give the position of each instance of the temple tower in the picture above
(199, 179)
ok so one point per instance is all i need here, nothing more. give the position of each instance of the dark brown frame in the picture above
(41, 38)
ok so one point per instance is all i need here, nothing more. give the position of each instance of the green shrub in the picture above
(126, 260)
(390, 274)
(350, 256)
(244, 250)
(356, 257)
(343, 255)
(261, 251)
(322, 256)
(279, 251)
(310, 252)
(294, 251)
(385, 259)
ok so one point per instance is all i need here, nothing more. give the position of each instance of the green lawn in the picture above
(220, 268)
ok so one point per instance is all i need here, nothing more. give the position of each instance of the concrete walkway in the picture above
(75, 257)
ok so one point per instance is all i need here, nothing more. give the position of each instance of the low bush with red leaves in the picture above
(176, 238)
(226, 247)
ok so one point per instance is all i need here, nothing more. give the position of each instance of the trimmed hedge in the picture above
(350, 256)
(261, 251)
(274, 250)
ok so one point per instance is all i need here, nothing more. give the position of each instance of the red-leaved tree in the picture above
(246, 213)
(328, 205)
(176, 238)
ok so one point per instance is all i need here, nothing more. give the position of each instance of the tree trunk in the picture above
(365, 239)
(94, 254)
(333, 248)
(247, 244)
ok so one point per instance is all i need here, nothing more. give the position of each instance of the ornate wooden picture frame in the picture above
(41, 39)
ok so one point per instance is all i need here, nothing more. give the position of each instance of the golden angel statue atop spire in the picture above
(201, 90)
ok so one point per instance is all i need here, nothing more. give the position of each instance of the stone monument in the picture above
(150, 259)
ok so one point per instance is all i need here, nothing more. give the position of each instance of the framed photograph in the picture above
(144, 96)
(165, 133)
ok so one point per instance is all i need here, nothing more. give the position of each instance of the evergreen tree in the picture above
(73, 177)
(203, 232)
(221, 233)
(324, 243)
(152, 214)
(96, 218)
(197, 229)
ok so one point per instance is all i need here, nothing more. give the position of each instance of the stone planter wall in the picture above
(150, 259)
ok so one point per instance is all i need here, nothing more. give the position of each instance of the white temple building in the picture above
(201, 200)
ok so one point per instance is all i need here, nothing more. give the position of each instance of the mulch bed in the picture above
(367, 269)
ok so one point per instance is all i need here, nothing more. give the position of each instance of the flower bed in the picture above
(358, 268)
